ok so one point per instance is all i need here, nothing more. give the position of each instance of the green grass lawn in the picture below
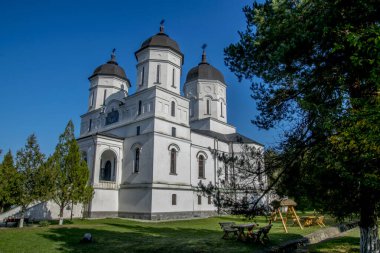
(122, 235)
(349, 242)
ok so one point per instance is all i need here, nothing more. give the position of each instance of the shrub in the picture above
(44, 223)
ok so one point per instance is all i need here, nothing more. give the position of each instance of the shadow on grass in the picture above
(133, 238)
(125, 236)
(348, 244)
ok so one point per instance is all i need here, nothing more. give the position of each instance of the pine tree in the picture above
(28, 161)
(8, 182)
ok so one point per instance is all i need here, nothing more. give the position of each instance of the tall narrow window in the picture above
(259, 172)
(174, 199)
(226, 173)
(209, 199)
(104, 97)
(137, 160)
(208, 106)
(92, 99)
(173, 158)
(199, 200)
(138, 130)
(140, 108)
(173, 109)
(158, 73)
(142, 76)
(173, 78)
(89, 125)
(221, 109)
(174, 134)
(192, 106)
(201, 166)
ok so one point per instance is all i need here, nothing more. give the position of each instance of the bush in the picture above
(44, 223)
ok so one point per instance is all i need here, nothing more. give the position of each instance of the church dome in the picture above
(111, 68)
(204, 70)
(161, 39)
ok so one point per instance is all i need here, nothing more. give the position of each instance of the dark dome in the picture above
(204, 71)
(161, 39)
(111, 68)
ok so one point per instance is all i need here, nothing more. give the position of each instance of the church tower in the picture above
(106, 80)
(206, 89)
(159, 62)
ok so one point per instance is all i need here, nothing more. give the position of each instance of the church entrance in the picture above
(108, 164)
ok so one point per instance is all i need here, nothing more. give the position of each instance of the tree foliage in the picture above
(8, 182)
(28, 162)
(69, 175)
(316, 65)
(242, 182)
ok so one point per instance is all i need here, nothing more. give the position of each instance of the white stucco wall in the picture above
(135, 199)
(105, 200)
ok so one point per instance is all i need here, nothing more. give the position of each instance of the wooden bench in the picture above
(15, 220)
(227, 229)
(261, 234)
(320, 221)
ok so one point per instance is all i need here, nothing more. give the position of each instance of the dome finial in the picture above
(113, 55)
(204, 60)
(162, 26)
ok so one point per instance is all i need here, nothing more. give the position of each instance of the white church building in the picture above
(148, 151)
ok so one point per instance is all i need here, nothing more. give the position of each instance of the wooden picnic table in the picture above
(241, 235)
(308, 220)
(313, 220)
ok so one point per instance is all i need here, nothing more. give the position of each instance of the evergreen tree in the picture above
(70, 174)
(28, 161)
(319, 63)
(8, 182)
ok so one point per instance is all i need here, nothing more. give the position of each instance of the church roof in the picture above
(234, 137)
(163, 40)
(204, 70)
(111, 68)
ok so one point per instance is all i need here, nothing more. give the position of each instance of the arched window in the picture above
(173, 109)
(201, 166)
(208, 106)
(173, 161)
(158, 73)
(140, 108)
(137, 160)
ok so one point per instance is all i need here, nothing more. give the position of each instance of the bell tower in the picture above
(106, 80)
(159, 62)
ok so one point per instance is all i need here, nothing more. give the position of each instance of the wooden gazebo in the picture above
(278, 205)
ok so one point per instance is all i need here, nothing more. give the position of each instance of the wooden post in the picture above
(295, 214)
(282, 219)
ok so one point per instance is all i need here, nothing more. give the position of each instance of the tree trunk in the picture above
(369, 239)
(21, 222)
(369, 234)
(72, 207)
(61, 208)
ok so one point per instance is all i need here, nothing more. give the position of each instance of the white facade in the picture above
(148, 151)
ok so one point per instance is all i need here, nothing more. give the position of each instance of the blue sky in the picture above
(48, 49)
